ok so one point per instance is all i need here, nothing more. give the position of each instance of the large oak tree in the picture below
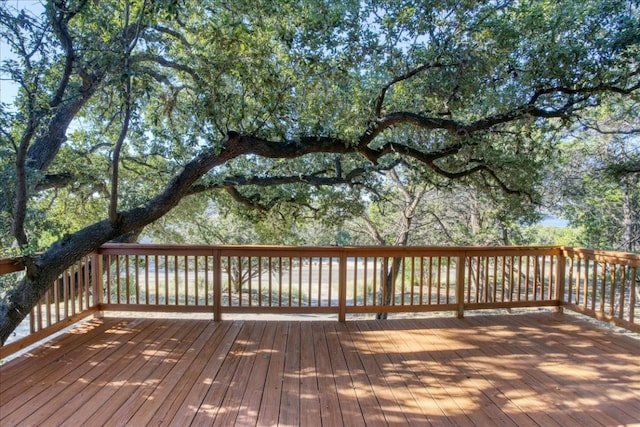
(133, 105)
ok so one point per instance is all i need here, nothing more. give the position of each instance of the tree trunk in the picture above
(389, 277)
(631, 216)
(43, 270)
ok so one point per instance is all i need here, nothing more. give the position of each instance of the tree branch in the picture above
(59, 180)
(247, 201)
(405, 76)
(309, 179)
(157, 59)
(173, 33)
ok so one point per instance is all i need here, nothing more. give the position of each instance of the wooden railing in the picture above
(345, 281)
(340, 280)
(603, 285)
(70, 299)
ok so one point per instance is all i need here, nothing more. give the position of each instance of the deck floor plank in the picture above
(226, 384)
(256, 387)
(289, 411)
(157, 369)
(446, 379)
(362, 383)
(504, 387)
(64, 345)
(183, 374)
(389, 399)
(408, 352)
(469, 393)
(526, 370)
(599, 357)
(47, 385)
(129, 373)
(269, 412)
(183, 406)
(408, 404)
(308, 398)
(59, 355)
(80, 386)
(516, 390)
(330, 411)
(353, 414)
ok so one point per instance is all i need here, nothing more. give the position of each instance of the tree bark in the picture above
(631, 216)
(43, 270)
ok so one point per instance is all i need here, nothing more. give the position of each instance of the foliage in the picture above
(541, 235)
(126, 108)
(597, 197)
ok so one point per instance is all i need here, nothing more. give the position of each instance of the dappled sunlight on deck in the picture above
(526, 369)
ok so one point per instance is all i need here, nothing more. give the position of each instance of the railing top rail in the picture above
(613, 257)
(10, 265)
(160, 249)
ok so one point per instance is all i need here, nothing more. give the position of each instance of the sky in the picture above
(554, 222)
(8, 89)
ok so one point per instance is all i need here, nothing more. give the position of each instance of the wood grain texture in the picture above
(521, 369)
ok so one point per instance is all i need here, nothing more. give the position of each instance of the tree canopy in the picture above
(124, 108)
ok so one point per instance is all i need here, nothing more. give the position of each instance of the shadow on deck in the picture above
(526, 369)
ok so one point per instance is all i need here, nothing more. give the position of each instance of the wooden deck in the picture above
(532, 369)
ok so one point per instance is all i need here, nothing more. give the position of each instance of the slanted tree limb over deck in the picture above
(519, 370)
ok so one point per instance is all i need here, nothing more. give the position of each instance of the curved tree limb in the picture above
(398, 79)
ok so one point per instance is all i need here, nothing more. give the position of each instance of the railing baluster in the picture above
(430, 281)
(495, 279)
(412, 279)
(47, 305)
(309, 281)
(612, 291)
(460, 270)
(156, 271)
(365, 281)
(217, 286)
(585, 297)
(319, 281)
(485, 278)
(290, 298)
(594, 291)
(342, 288)
(632, 296)
(280, 282)
(623, 283)
(98, 285)
(196, 284)
(438, 279)
(330, 283)
(603, 287)
(575, 277)
(137, 276)
(421, 280)
(561, 267)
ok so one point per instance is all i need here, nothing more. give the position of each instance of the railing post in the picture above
(342, 288)
(96, 283)
(632, 297)
(460, 276)
(561, 269)
(217, 286)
